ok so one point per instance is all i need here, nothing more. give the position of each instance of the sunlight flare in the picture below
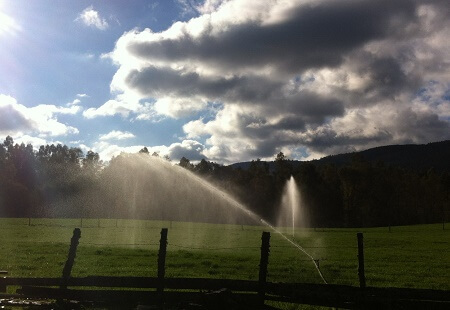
(7, 24)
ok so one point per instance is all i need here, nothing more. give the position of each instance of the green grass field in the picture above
(411, 256)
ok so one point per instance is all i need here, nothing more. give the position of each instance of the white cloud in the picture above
(74, 102)
(36, 142)
(191, 149)
(179, 107)
(49, 110)
(17, 119)
(195, 129)
(82, 95)
(110, 108)
(116, 135)
(234, 136)
(107, 150)
(147, 112)
(209, 6)
(188, 7)
(92, 18)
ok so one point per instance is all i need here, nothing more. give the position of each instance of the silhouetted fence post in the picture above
(3, 287)
(70, 258)
(443, 218)
(361, 275)
(265, 249)
(162, 262)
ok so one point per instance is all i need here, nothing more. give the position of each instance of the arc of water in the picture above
(298, 247)
(239, 206)
(253, 215)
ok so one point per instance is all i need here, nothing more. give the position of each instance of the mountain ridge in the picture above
(434, 155)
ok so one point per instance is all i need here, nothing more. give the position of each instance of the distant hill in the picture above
(410, 156)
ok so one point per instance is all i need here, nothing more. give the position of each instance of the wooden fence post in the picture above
(265, 249)
(3, 287)
(162, 262)
(70, 258)
(361, 275)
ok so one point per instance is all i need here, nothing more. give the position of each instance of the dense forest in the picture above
(58, 181)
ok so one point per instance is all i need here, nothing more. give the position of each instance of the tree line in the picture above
(357, 194)
(32, 180)
(61, 181)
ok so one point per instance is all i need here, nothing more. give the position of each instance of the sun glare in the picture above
(7, 24)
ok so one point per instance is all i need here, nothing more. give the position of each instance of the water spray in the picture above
(315, 261)
(236, 204)
(228, 198)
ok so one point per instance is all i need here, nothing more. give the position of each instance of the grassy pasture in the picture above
(410, 256)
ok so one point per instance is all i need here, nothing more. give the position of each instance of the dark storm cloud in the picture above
(422, 127)
(248, 90)
(407, 127)
(314, 108)
(152, 81)
(313, 36)
(334, 76)
(291, 122)
(13, 120)
(388, 78)
(329, 141)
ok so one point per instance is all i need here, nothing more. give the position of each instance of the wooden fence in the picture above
(219, 293)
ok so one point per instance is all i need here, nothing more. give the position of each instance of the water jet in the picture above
(291, 213)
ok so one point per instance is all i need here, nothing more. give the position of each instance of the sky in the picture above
(225, 80)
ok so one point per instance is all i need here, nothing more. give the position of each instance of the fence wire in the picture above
(213, 248)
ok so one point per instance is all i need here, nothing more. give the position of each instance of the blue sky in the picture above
(224, 80)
